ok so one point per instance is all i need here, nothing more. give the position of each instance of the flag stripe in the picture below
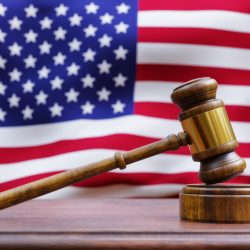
(114, 178)
(182, 73)
(171, 111)
(231, 5)
(125, 178)
(155, 91)
(163, 163)
(209, 19)
(199, 36)
(193, 55)
(129, 142)
(152, 127)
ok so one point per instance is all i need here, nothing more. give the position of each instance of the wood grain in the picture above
(112, 224)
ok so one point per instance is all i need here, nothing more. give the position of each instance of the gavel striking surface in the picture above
(215, 203)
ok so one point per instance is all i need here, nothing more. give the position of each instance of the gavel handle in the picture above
(120, 160)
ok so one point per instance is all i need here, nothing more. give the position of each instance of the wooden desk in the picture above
(112, 224)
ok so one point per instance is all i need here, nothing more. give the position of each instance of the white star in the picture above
(122, 8)
(72, 95)
(104, 67)
(59, 59)
(15, 49)
(91, 8)
(41, 98)
(87, 108)
(3, 9)
(120, 80)
(75, 20)
(28, 87)
(106, 18)
(15, 23)
(14, 101)
(88, 81)
(46, 23)
(2, 62)
(73, 69)
(30, 36)
(74, 45)
(118, 107)
(89, 55)
(2, 88)
(120, 53)
(15, 75)
(61, 10)
(121, 28)
(2, 36)
(90, 31)
(30, 62)
(45, 48)
(105, 41)
(2, 115)
(56, 110)
(60, 33)
(56, 83)
(103, 94)
(31, 11)
(27, 113)
(43, 73)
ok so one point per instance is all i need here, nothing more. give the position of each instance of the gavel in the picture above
(206, 129)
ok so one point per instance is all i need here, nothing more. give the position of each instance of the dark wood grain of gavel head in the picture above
(212, 140)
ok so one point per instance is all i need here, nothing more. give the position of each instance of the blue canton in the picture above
(66, 60)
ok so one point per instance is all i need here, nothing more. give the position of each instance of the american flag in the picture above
(80, 80)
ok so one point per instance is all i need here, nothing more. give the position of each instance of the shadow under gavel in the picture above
(207, 131)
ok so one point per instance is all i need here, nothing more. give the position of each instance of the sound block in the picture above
(215, 203)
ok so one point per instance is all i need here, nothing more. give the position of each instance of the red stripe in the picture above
(231, 5)
(118, 142)
(157, 109)
(124, 178)
(194, 36)
(113, 178)
(183, 73)
(171, 111)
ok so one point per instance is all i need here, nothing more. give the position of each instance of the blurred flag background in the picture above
(82, 79)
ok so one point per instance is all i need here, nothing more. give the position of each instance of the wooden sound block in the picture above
(215, 203)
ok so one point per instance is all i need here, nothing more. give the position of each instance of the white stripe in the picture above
(163, 163)
(195, 55)
(149, 91)
(212, 19)
(133, 124)
(159, 164)
(47, 133)
(116, 191)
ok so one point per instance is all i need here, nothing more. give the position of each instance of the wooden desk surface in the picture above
(112, 224)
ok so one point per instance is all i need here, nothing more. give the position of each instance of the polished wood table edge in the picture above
(126, 241)
(112, 224)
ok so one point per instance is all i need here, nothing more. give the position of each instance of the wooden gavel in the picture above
(207, 130)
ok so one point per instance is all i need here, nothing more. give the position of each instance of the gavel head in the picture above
(212, 140)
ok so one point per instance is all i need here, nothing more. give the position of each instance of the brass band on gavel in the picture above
(208, 130)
